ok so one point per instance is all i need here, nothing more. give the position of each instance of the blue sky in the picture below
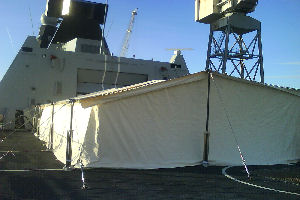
(162, 24)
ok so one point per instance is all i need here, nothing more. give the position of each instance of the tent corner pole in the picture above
(69, 139)
(206, 133)
(51, 128)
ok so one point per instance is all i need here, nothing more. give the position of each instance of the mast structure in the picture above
(126, 39)
(234, 46)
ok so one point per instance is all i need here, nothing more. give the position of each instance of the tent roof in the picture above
(289, 90)
(118, 90)
(150, 86)
(133, 90)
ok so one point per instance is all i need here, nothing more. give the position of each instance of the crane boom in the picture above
(128, 34)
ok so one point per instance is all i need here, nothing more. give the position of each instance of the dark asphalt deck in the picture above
(179, 183)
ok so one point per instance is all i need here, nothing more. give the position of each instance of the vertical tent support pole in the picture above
(69, 138)
(34, 122)
(206, 133)
(38, 120)
(51, 129)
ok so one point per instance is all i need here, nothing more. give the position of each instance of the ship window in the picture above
(58, 88)
(175, 66)
(26, 49)
(32, 102)
(90, 48)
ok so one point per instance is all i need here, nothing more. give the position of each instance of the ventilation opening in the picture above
(26, 49)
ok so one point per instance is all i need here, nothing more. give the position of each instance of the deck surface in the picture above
(179, 183)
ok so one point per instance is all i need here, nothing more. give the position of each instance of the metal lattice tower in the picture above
(128, 34)
(234, 46)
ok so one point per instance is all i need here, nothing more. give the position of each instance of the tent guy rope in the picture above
(230, 125)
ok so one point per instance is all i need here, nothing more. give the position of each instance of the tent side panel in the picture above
(91, 153)
(61, 125)
(153, 130)
(81, 117)
(265, 124)
(45, 123)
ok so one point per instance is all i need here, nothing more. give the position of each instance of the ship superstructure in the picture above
(70, 57)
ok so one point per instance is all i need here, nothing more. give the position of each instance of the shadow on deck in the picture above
(180, 183)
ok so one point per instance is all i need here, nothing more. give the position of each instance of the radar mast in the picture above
(234, 46)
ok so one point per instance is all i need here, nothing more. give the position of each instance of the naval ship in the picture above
(70, 57)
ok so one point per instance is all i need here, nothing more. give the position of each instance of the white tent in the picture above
(161, 124)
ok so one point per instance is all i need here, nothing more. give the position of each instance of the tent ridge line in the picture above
(137, 91)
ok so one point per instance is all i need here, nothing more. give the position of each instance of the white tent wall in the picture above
(61, 125)
(81, 118)
(158, 129)
(265, 123)
(45, 123)
(163, 125)
(155, 130)
(91, 143)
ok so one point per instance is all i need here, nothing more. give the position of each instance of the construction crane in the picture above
(128, 34)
